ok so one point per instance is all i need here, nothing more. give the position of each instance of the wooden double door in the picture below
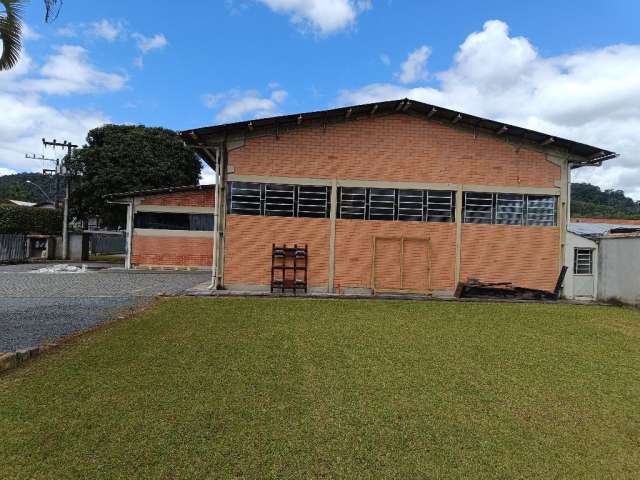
(401, 264)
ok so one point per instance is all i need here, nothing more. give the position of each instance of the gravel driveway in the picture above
(38, 307)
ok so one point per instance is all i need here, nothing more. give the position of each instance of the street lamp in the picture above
(40, 188)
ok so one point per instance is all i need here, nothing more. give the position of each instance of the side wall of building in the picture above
(178, 248)
(618, 266)
(396, 151)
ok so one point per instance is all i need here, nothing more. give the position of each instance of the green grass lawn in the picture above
(278, 388)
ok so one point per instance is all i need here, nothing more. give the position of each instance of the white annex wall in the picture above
(576, 241)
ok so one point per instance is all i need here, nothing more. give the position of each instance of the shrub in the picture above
(44, 221)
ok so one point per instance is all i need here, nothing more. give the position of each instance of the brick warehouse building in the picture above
(392, 196)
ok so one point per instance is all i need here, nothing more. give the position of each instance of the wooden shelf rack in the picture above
(289, 268)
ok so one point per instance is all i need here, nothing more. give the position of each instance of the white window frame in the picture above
(577, 251)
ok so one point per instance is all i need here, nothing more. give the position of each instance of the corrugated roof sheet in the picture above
(600, 229)
(157, 191)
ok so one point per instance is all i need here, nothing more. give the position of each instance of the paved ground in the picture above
(38, 307)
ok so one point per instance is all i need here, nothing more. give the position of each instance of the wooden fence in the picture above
(13, 248)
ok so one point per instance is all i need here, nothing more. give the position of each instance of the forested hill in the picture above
(15, 187)
(586, 200)
(590, 201)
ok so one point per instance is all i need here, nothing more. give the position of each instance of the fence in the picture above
(107, 243)
(13, 248)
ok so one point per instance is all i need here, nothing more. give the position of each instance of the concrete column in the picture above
(222, 215)
(458, 232)
(563, 208)
(332, 236)
(130, 213)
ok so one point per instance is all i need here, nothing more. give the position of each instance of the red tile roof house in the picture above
(392, 196)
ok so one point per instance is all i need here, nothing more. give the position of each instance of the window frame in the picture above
(267, 198)
(494, 198)
(577, 251)
(210, 217)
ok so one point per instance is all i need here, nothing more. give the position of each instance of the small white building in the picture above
(603, 263)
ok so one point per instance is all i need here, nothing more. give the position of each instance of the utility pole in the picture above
(50, 172)
(65, 174)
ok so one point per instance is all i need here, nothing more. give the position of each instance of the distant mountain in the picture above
(590, 201)
(15, 187)
(586, 200)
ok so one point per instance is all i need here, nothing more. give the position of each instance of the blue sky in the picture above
(568, 68)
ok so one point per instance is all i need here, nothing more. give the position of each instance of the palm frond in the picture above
(52, 10)
(11, 32)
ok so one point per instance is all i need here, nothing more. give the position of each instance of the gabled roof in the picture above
(581, 153)
(157, 191)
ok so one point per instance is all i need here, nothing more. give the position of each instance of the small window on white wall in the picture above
(583, 261)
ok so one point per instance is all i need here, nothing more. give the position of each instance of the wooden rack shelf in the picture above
(289, 268)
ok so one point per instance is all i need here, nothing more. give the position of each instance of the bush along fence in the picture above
(13, 248)
(44, 221)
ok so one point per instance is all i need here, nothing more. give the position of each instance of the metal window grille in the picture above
(541, 210)
(440, 206)
(245, 198)
(411, 205)
(353, 202)
(509, 209)
(312, 201)
(583, 261)
(279, 200)
(478, 207)
(381, 202)
(174, 221)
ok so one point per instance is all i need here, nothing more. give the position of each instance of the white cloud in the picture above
(238, 105)
(385, 59)
(105, 29)
(592, 96)
(29, 33)
(321, 16)
(68, 31)
(414, 68)
(207, 175)
(6, 171)
(26, 118)
(147, 44)
(65, 72)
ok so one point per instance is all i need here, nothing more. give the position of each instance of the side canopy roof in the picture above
(592, 230)
(580, 153)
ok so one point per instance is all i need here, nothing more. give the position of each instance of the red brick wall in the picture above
(395, 148)
(354, 253)
(172, 251)
(196, 198)
(249, 240)
(526, 256)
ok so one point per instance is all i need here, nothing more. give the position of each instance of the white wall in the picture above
(571, 288)
(619, 267)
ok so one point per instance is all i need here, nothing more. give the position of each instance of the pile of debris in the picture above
(62, 268)
(474, 288)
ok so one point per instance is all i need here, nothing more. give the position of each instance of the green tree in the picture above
(16, 187)
(123, 158)
(11, 28)
(590, 201)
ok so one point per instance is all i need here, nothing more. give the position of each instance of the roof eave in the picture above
(582, 154)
